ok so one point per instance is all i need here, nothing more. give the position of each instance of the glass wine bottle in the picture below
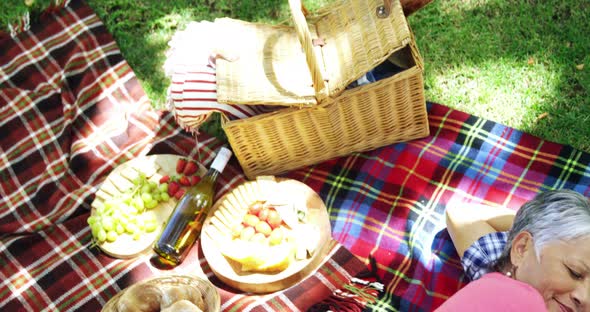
(183, 227)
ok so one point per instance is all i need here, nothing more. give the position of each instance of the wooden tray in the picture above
(154, 166)
(254, 282)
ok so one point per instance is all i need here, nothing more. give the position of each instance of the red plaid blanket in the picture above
(72, 110)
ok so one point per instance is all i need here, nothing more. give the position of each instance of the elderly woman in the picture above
(538, 259)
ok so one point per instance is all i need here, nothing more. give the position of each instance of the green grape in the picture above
(125, 213)
(108, 204)
(109, 209)
(100, 210)
(149, 217)
(107, 223)
(101, 235)
(119, 228)
(117, 215)
(127, 210)
(138, 203)
(145, 188)
(151, 204)
(133, 210)
(112, 236)
(127, 198)
(163, 187)
(131, 228)
(151, 226)
(146, 197)
(95, 228)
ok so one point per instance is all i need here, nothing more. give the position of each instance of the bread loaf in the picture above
(140, 298)
(182, 306)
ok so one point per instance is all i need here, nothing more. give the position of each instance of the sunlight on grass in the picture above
(507, 61)
(516, 63)
(504, 90)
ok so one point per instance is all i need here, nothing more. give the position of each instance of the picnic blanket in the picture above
(72, 110)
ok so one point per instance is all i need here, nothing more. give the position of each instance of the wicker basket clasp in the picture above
(384, 10)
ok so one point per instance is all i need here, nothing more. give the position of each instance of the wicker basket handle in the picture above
(306, 42)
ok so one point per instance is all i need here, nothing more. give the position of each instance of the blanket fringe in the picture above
(355, 296)
(59, 4)
(23, 24)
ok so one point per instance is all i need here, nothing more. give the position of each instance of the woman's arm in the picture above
(467, 223)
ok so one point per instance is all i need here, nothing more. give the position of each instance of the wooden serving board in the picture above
(256, 282)
(155, 166)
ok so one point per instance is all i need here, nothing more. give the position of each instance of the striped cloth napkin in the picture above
(190, 64)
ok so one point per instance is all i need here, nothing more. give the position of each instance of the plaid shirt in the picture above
(478, 258)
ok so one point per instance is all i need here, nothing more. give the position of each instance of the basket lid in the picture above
(269, 69)
(314, 59)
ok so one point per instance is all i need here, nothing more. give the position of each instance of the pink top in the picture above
(495, 292)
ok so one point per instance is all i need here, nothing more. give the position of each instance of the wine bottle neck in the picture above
(212, 174)
(218, 164)
(221, 159)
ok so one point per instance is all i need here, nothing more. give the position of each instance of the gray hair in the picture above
(557, 215)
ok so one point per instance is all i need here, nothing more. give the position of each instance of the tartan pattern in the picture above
(62, 133)
(71, 111)
(386, 206)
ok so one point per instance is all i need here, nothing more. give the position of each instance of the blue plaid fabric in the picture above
(482, 253)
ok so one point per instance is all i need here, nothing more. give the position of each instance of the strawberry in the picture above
(184, 180)
(195, 179)
(178, 195)
(180, 165)
(173, 187)
(191, 168)
(164, 179)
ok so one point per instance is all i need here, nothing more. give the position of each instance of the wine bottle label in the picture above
(221, 159)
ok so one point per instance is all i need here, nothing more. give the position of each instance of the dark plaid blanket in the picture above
(71, 110)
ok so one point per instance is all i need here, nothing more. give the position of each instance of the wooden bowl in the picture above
(233, 206)
(155, 166)
(208, 290)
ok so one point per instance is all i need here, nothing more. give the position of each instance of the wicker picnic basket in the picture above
(307, 68)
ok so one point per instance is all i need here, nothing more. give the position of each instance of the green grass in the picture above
(143, 28)
(513, 62)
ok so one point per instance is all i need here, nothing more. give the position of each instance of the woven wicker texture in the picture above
(279, 65)
(270, 69)
(209, 292)
(388, 111)
(357, 40)
(391, 110)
